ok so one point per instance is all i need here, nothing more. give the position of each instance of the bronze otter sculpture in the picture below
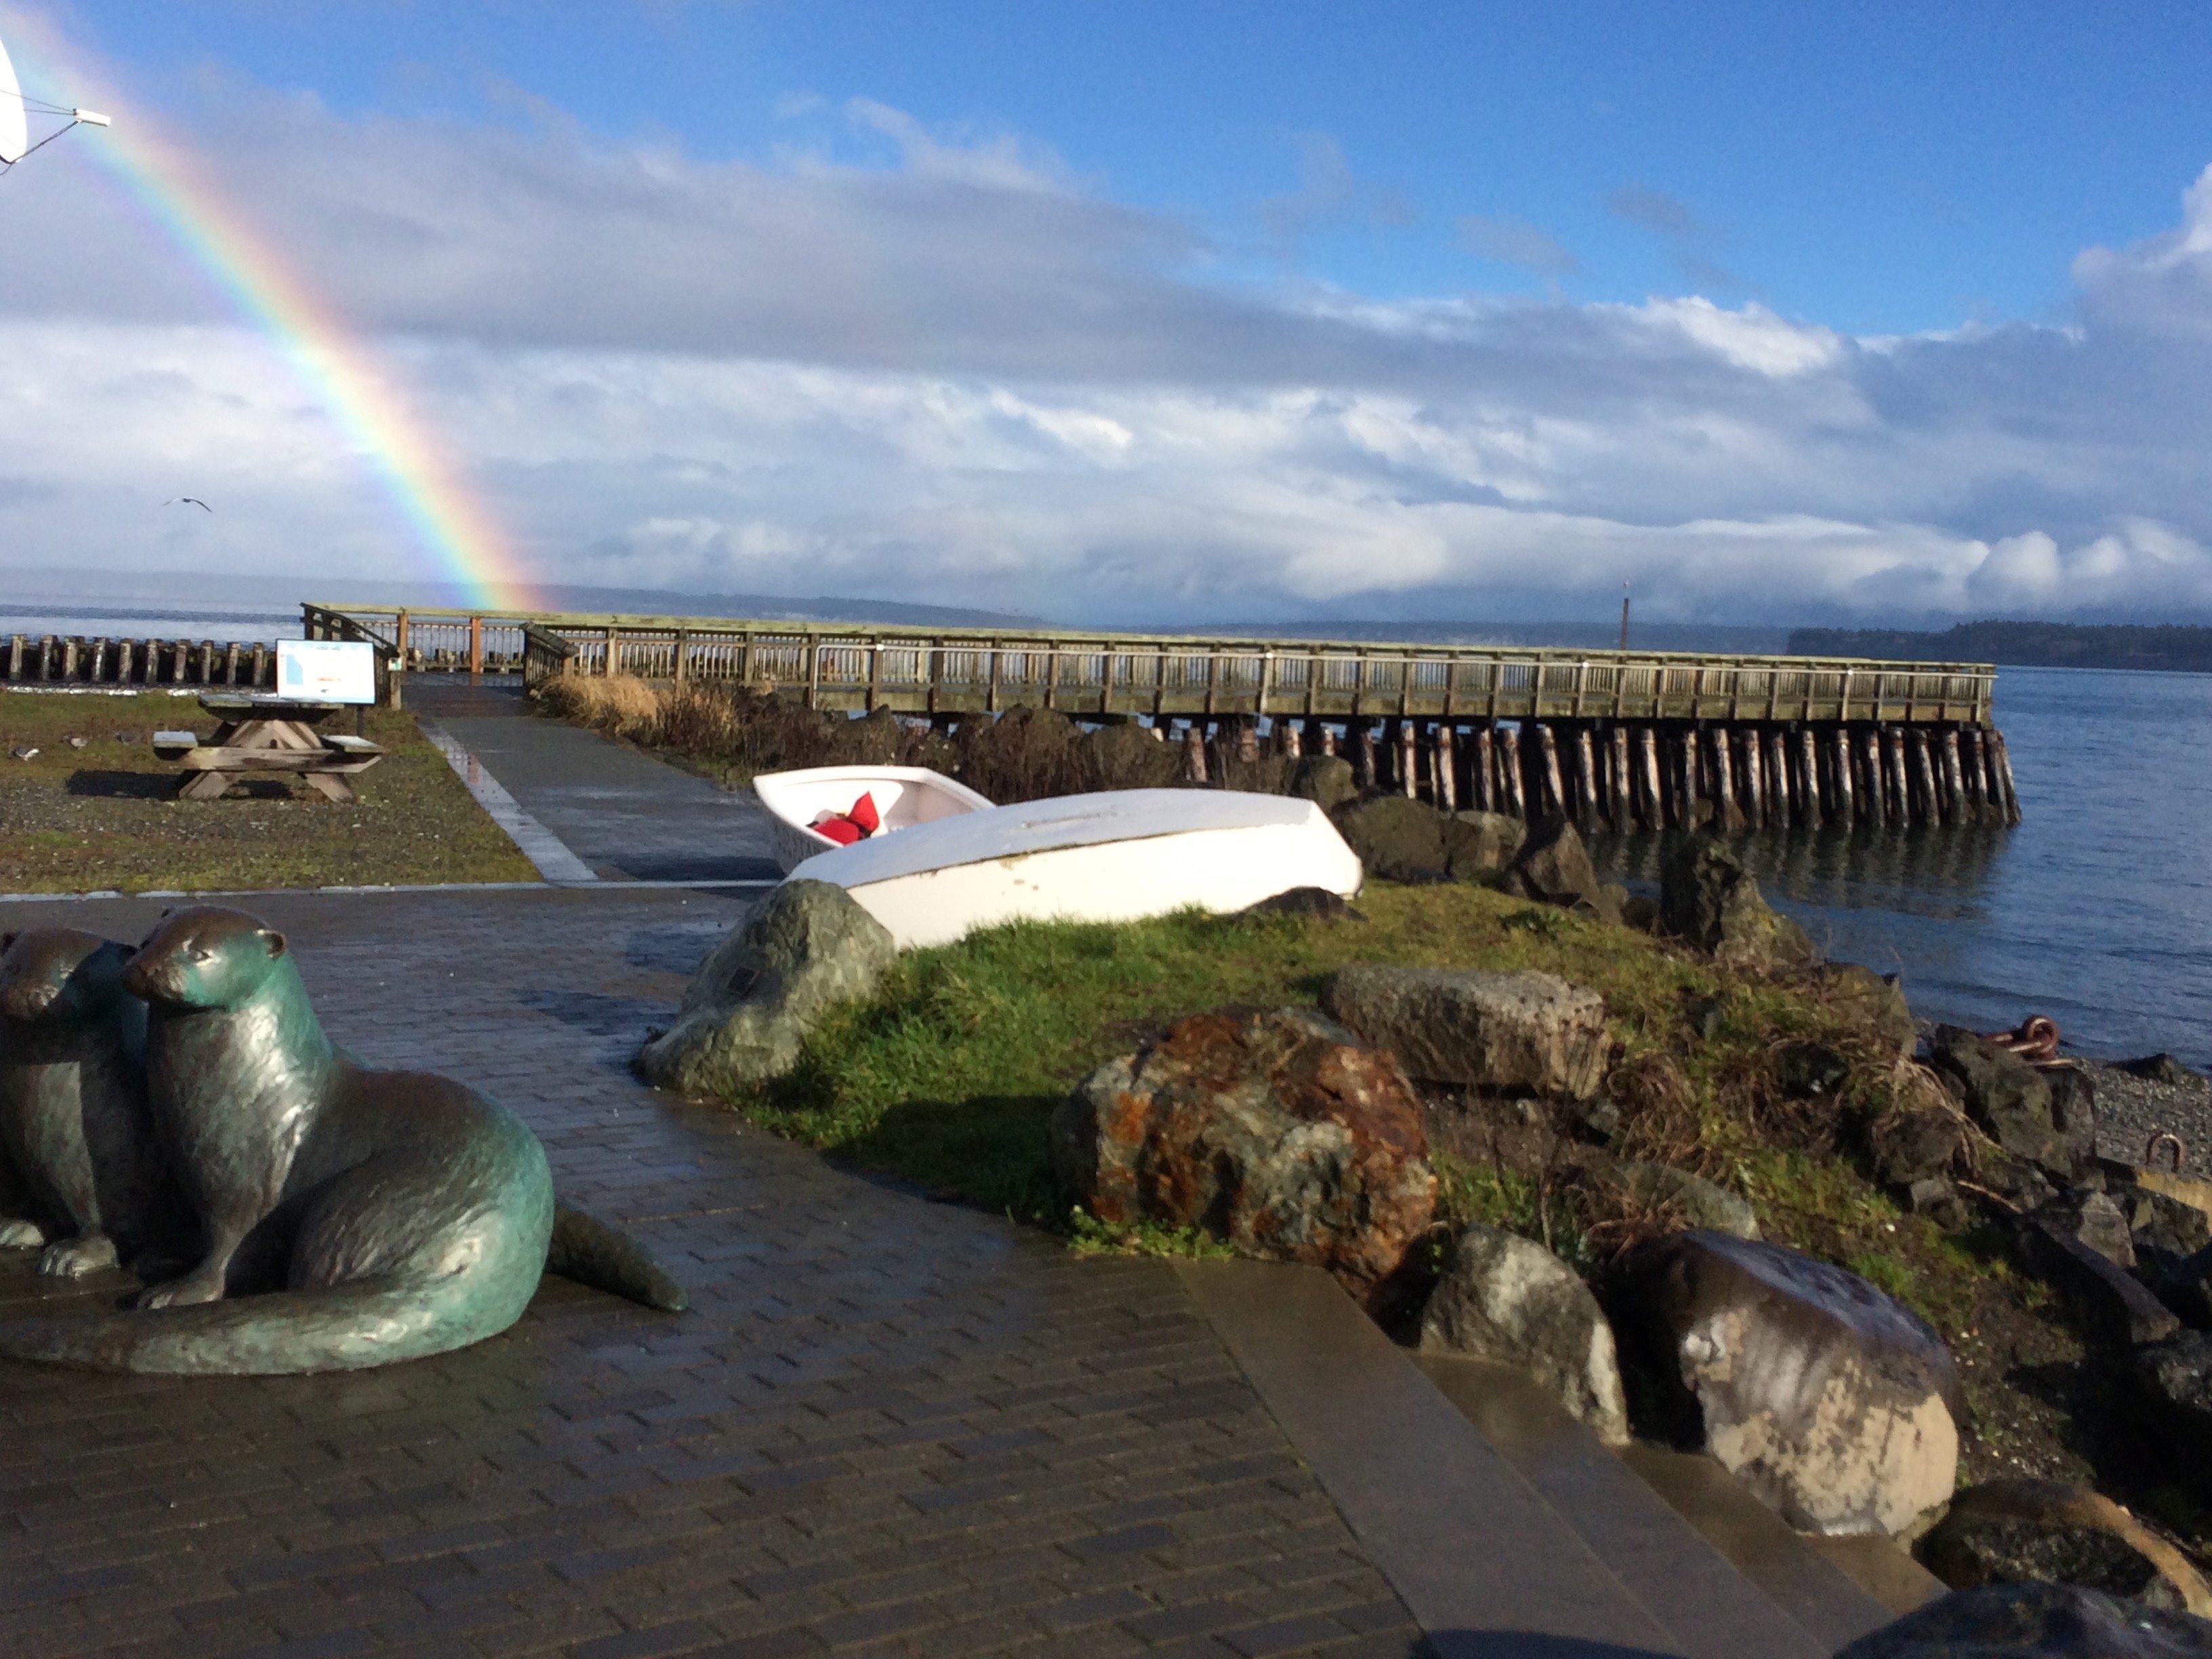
(79, 1171)
(390, 1214)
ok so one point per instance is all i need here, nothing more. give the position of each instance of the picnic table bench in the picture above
(266, 734)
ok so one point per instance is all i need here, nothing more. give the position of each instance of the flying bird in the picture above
(194, 500)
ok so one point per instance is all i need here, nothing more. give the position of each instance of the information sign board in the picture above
(326, 671)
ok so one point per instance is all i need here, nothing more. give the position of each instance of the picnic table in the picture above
(261, 733)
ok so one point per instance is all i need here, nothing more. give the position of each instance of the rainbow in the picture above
(338, 369)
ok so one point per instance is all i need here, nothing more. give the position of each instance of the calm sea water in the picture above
(2097, 909)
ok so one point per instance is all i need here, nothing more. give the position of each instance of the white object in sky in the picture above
(904, 795)
(15, 131)
(326, 671)
(1119, 856)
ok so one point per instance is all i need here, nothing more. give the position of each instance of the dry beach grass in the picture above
(104, 816)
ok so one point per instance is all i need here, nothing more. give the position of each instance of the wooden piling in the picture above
(1900, 787)
(1686, 793)
(1808, 771)
(1555, 788)
(1970, 745)
(1193, 752)
(1508, 770)
(1778, 779)
(1485, 768)
(1839, 771)
(1753, 781)
(1360, 736)
(1992, 777)
(1443, 767)
(1924, 775)
(2004, 776)
(1954, 780)
(1409, 760)
(1289, 740)
(1585, 777)
(1727, 815)
(1647, 768)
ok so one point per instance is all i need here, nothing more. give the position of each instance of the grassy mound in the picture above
(947, 1078)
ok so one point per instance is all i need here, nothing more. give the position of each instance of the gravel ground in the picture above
(2132, 1109)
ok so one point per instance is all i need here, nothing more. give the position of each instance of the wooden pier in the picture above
(1612, 738)
(153, 665)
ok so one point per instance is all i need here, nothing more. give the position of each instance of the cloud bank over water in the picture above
(912, 367)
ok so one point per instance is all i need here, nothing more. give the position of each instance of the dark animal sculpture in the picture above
(393, 1214)
(79, 1171)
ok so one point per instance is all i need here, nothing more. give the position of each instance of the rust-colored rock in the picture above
(1270, 1129)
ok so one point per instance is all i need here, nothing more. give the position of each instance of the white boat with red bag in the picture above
(1117, 856)
(822, 808)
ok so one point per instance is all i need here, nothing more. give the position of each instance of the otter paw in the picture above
(76, 1257)
(182, 1292)
(21, 1235)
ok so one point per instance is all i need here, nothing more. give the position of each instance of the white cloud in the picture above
(958, 375)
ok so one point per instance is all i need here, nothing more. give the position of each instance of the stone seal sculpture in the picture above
(390, 1214)
(80, 1173)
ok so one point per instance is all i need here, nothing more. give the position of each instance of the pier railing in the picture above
(936, 671)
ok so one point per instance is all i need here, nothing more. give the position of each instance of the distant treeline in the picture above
(2022, 644)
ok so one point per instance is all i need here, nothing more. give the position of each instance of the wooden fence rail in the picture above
(941, 671)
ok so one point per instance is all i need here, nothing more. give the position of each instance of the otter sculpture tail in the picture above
(587, 1249)
(329, 1327)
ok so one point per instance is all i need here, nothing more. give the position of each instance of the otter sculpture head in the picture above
(205, 957)
(59, 973)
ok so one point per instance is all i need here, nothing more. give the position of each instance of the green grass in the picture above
(948, 1076)
(105, 815)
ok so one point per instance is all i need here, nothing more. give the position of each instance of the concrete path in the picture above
(623, 813)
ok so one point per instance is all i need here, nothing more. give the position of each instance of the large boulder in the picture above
(805, 948)
(2015, 1528)
(1127, 755)
(1272, 1130)
(1708, 900)
(1554, 867)
(2035, 1621)
(1873, 1002)
(1324, 779)
(1696, 1201)
(2103, 1293)
(1528, 1032)
(1507, 1298)
(1397, 839)
(1830, 1401)
(2017, 1105)
(2174, 1378)
(1478, 845)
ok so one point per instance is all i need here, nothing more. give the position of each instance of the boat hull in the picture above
(1115, 857)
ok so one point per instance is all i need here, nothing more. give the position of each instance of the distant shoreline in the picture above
(2171, 649)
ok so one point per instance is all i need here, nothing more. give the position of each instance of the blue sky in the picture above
(1870, 310)
(1880, 168)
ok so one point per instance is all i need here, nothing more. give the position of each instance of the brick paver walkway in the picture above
(889, 1426)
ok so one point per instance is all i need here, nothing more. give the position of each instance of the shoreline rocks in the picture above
(1507, 1298)
(1272, 1130)
(1829, 1400)
(802, 951)
(1526, 1033)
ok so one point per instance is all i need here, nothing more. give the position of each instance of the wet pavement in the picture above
(887, 1426)
(623, 813)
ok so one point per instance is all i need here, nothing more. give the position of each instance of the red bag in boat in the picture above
(864, 814)
(839, 827)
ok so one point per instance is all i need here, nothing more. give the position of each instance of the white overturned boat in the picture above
(1117, 856)
(904, 796)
